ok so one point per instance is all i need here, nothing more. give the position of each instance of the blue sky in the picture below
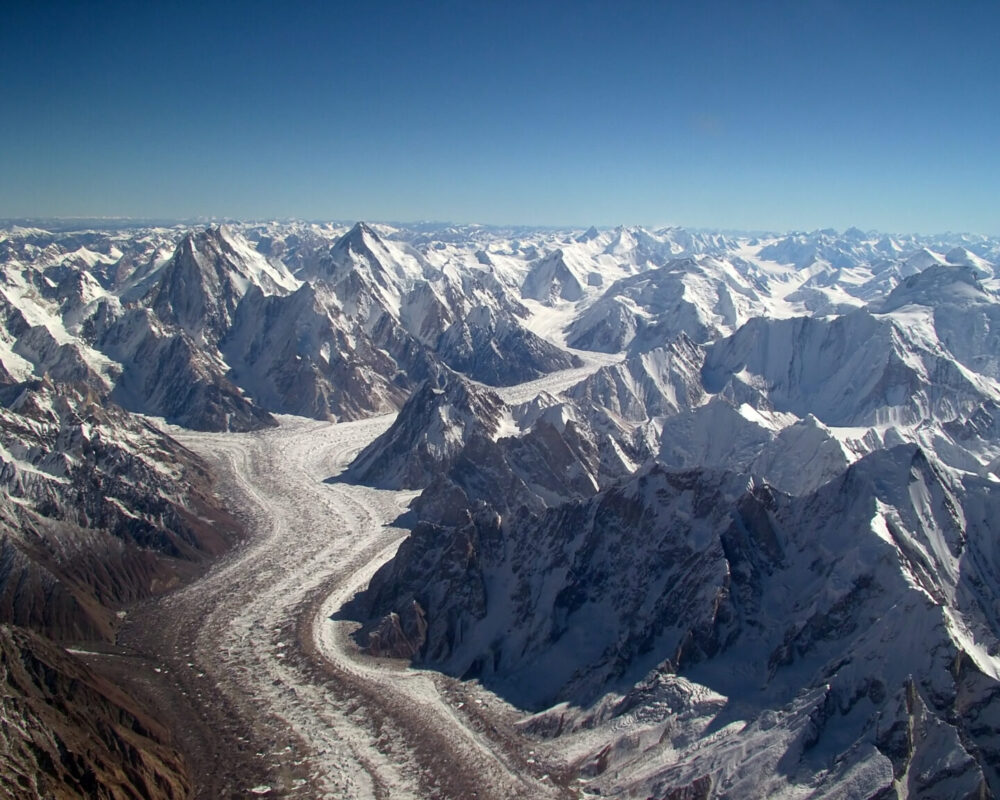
(773, 115)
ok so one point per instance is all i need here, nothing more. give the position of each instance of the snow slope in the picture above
(745, 550)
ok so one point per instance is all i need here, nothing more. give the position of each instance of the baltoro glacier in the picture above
(746, 545)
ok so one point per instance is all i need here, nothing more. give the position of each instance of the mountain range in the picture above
(752, 553)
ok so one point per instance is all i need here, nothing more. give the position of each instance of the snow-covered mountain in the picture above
(209, 331)
(700, 298)
(98, 510)
(845, 633)
(200, 286)
(802, 567)
(659, 382)
(497, 350)
(754, 556)
(428, 433)
(299, 354)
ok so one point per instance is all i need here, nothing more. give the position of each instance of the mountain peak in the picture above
(963, 257)
(937, 285)
(362, 229)
(429, 432)
(923, 258)
(358, 240)
(361, 247)
(213, 241)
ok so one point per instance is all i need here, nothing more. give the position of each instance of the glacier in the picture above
(622, 512)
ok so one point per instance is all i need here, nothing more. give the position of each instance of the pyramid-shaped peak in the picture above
(957, 255)
(624, 239)
(923, 258)
(886, 244)
(362, 228)
(196, 242)
(220, 237)
(359, 238)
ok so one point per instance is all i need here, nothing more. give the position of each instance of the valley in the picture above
(372, 511)
(255, 637)
(500, 401)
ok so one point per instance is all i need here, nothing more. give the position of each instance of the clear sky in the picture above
(753, 115)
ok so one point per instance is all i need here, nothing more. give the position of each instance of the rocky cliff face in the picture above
(69, 733)
(428, 433)
(201, 285)
(864, 605)
(98, 510)
(764, 565)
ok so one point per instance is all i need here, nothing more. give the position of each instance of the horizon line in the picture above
(170, 221)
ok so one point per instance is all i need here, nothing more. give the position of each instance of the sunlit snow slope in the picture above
(666, 513)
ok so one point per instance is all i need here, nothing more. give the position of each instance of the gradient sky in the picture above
(771, 115)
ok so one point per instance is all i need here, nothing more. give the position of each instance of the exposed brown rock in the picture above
(65, 732)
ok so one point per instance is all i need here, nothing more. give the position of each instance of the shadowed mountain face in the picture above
(428, 433)
(498, 351)
(99, 510)
(209, 333)
(753, 557)
(780, 542)
(844, 611)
